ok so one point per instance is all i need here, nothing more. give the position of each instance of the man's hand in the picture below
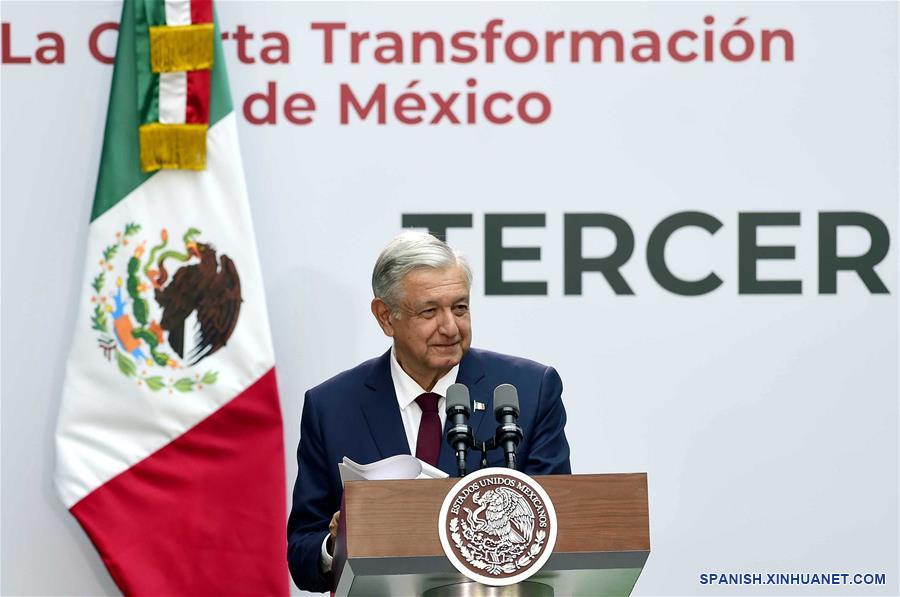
(333, 529)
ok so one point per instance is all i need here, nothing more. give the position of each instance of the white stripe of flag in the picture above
(172, 97)
(178, 12)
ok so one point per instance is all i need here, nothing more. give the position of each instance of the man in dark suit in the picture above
(394, 404)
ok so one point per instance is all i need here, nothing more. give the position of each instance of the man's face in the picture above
(433, 330)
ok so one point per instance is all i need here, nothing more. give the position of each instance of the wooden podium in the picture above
(388, 540)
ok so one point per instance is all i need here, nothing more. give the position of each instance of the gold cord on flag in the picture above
(171, 146)
(174, 143)
(181, 48)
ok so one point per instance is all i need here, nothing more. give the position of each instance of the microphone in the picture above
(506, 410)
(459, 435)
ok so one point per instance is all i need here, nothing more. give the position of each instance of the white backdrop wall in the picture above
(768, 424)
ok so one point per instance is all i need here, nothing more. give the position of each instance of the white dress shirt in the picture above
(407, 390)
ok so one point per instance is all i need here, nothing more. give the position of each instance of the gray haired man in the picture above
(394, 404)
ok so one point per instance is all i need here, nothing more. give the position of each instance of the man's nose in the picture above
(447, 324)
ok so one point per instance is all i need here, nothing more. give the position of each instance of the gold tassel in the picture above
(181, 47)
(173, 146)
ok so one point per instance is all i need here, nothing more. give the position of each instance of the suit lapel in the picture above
(382, 412)
(471, 374)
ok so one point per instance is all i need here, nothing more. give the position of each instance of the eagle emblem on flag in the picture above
(163, 308)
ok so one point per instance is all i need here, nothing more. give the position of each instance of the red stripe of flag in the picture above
(205, 514)
(201, 11)
(197, 106)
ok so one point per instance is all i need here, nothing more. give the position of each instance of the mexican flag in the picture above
(169, 441)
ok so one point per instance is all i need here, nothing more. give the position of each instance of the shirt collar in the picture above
(408, 389)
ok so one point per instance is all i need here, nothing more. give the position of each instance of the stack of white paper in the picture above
(402, 466)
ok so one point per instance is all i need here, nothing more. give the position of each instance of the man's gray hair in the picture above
(409, 251)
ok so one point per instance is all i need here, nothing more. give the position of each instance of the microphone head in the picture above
(458, 399)
(506, 398)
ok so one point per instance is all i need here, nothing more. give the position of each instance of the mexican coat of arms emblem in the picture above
(497, 526)
(160, 308)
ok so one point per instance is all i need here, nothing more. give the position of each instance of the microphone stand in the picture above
(483, 447)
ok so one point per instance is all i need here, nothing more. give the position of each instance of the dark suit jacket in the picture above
(355, 414)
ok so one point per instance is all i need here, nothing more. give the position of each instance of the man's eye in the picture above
(428, 313)
(461, 309)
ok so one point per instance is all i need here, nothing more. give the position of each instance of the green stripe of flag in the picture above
(147, 13)
(120, 163)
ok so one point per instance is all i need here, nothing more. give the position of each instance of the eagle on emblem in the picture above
(210, 287)
(507, 515)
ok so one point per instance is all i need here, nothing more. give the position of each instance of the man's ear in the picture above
(382, 314)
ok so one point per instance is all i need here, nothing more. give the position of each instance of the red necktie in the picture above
(428, 444)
